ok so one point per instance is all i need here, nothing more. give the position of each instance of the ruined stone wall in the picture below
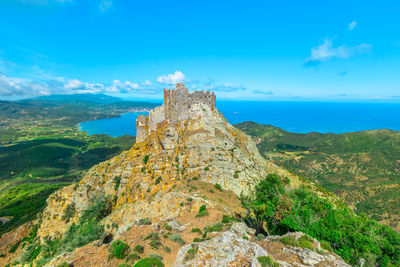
(175, 108)
(156, 116)
(142, 128)
(204, 97)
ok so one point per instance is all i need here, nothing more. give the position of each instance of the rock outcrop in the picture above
(187, 157)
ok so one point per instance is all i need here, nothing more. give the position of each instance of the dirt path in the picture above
(4, 220)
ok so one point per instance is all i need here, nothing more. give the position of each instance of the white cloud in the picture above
(122, 87)
(105, 5)
(48, 85)
(147, 83)
(327, 51)
(73, 84)
(10, 86)
(177, 77)
(212, 85)
(352, 25)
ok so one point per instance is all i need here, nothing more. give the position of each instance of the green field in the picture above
(361, 167)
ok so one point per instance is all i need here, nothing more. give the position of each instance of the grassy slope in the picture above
(362, 167)
(30, 171)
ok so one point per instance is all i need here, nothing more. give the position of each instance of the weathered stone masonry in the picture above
(175, 108)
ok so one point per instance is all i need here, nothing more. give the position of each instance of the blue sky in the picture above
(256, 50)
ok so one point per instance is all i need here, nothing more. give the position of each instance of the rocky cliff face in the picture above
(182, 163)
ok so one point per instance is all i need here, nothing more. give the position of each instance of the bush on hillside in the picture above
(351, 236)
(149, 262)
(118, 249)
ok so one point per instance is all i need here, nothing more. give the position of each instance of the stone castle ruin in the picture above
(175, 108)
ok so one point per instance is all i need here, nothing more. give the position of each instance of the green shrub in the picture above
(202, 211)
(266, 261)
(158, 180)
(218, 187)
(31, 251)
(167, 249)
(305, 244)
(177, 238)
(117, 181)
(155, 244)
(207, 168)
(132, 257)
(146, 159)
(307, 238)
(290, 241)
(196, 230)
(211, 190)
(325, 245)
(167, 227)
(191, 253)
(201, 214)
(202, 208)
(228, 219)
(138, 248)
(144, 221)
(260, 237)
(118, 249)
(15, 246)
(152, 236)
(218, 227)
(149, 262)
(69, 212)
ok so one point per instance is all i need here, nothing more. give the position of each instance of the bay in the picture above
(298, 117)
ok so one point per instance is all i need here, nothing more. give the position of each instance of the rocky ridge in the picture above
(181, 165)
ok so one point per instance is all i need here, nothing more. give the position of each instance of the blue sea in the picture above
(298, 117)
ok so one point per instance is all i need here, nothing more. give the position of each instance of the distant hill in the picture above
(95, 98)
(362, 167)
(71, 109)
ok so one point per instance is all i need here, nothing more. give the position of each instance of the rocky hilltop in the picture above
(174, 197)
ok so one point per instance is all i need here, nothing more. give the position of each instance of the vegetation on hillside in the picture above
(31, 171)
(361, 167)
(276, 210)
(41, 149)
(85, 231)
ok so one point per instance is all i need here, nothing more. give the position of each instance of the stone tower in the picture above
(177, 103)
